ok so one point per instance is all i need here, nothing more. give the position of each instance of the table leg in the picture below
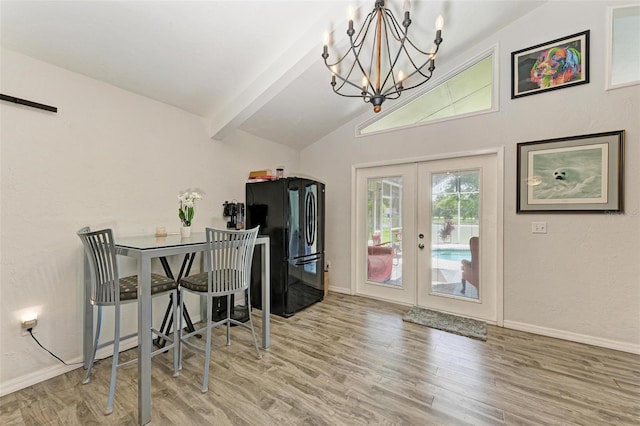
(167, 321)
(266, 295)
(144, 340)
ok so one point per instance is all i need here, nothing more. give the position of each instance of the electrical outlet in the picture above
(539, 227)
(29, 324)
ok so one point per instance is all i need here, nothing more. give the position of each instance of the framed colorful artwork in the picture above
(577, 174)
(553, 65)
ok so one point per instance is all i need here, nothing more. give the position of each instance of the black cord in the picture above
(30, 330)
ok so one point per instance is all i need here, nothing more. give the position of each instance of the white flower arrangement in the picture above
(186, 211)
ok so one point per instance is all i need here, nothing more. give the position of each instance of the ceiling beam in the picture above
(293, 62)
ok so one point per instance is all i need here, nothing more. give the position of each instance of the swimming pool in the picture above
(448, 254)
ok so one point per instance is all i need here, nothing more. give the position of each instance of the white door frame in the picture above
(499, 152)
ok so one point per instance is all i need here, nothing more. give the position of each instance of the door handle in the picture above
(421, 246)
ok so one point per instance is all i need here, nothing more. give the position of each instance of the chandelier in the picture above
(385, 64)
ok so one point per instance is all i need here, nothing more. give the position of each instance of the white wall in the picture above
(107, 158)
(581, 281)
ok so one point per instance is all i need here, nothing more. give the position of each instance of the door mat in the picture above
(451, 323)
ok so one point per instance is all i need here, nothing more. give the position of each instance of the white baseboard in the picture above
(58, 369)
(341, 290)
(574, 337)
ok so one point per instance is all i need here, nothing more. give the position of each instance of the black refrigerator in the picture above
(291, 212)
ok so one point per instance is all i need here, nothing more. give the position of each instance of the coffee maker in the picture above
(235, 213)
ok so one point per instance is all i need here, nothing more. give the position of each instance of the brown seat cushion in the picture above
(159, 284)
(196, 282)
(221, 284)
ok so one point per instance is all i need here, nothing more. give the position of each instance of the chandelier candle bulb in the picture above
(407, 18)
(439, 25)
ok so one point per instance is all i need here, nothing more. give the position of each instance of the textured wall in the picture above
(107, 158)
(581, 280)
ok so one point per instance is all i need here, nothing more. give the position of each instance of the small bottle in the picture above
(280, 172)
(240, 220)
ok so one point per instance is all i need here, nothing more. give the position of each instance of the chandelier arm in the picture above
(423, 52)
(342, 58)
(419, 84)
(392, 65)
(354, 44)
(365, 27)
(356, 53)
(427, 78)
(418, 70)
(366, 74)
(393, 95)
(356, 48)
(347, 81)
(396, 27)
(397, 86)
(351, 96)
(432, 66)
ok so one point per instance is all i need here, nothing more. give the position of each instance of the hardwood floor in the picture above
(353, 361)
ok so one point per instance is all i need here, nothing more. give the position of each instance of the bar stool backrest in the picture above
(100, 250)
(228, 259)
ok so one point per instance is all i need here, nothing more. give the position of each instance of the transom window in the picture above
(464, 92)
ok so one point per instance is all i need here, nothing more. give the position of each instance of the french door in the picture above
(385, 231)
(427, 235)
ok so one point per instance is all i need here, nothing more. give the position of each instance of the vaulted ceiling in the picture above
(249, 65)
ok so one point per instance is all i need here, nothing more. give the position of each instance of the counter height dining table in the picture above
(145, 248)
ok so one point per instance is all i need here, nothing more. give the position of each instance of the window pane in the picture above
(384, 230)
(625, 56)
(455, 215)
(466, 92)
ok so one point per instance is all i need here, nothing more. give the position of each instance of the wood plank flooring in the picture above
(353, 361)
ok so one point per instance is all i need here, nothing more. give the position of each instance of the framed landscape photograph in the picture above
(553, 65)
(577, 174)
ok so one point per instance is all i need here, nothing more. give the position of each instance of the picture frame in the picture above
(576, 174)
(553, 65)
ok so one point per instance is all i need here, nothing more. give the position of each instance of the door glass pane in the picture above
(455, 219)
(384, 230)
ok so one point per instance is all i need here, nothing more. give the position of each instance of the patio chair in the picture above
(471, 269)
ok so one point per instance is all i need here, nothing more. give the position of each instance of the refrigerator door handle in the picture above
(310, 215)
(308, 260)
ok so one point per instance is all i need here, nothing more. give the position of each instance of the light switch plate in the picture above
(539, 227)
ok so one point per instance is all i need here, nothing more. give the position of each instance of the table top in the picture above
(150, 242)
